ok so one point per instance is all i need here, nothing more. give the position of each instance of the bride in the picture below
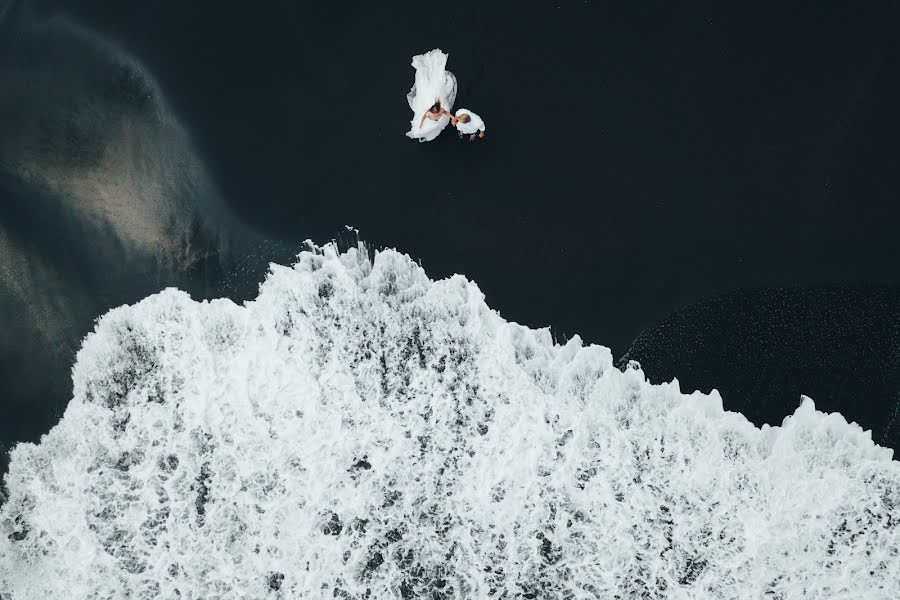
(431, 97)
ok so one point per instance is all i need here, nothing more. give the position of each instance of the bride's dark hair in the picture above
(436, 107)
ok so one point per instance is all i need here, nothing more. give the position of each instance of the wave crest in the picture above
(359, 431)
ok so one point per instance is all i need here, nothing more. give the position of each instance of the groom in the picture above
(468, 123)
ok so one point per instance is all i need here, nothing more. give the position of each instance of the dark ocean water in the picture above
(763, 349)
(638, 160)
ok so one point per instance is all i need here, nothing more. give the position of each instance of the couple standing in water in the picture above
(431, 100)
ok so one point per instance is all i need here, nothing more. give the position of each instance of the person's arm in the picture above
(422, 122)
(481, 133)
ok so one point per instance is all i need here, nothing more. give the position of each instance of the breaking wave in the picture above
(359, 431)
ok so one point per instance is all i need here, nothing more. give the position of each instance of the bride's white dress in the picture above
(433, 83)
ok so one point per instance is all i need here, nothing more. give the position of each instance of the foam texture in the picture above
(359, 431)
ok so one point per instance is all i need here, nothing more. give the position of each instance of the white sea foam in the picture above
(360, 431)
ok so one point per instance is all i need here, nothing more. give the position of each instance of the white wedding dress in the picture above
(433, 83)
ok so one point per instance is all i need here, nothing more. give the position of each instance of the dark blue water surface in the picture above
(638, 160)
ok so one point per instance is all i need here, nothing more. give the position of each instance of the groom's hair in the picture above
(465, 118)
